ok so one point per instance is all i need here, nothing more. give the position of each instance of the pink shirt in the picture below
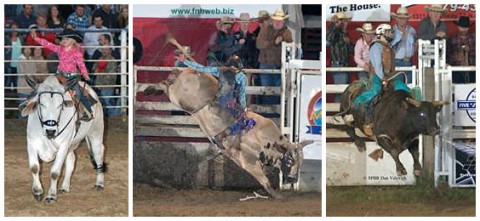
(69, 60)
(361, 53)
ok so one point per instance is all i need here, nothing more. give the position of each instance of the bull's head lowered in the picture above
(423, 114)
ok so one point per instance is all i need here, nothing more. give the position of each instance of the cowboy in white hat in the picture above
(404, 40)
(362, 47)
(431, 27)
(269, 43)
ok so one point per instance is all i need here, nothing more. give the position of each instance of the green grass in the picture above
(422, 192)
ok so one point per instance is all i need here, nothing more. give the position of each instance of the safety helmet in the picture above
(235, 62)
(382, 29)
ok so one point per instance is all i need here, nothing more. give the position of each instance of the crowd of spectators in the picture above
(99, 54)
(460, 46)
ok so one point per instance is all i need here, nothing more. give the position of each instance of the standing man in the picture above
(404, 40)
(381, 57)
(431, 28)
(362, 49)
(269, 44)
(340, 47)
(221, 43)
(461, 51)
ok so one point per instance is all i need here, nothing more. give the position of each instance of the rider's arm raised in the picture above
(198, 67)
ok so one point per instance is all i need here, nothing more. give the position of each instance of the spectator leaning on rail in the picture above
(362, 48)
(404, 40)
(461, 51)
(381, 57)
(269, 44)
(340, 47)
(231, 92)
(70, 57)
(79, 18)
(431, 28)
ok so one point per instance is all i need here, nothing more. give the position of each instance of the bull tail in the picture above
(338, 126)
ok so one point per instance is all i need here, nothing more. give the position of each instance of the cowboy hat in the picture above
(244, 17)
(366, 28)
(279, 14)
(69, 33)
(435, 8)
(262, 14)
(226, 20)
(463, 21)
(186, 49)
(342, 16)
(402, 12)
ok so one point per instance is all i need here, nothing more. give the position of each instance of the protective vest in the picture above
(388, 59)
(228, 91)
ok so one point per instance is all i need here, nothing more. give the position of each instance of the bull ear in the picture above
(413, 102)
(30, 107)
(68, 103)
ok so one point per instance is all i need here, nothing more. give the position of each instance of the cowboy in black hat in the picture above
(70, 57)
(461, 50)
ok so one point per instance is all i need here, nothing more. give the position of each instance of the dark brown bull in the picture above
(398, 119)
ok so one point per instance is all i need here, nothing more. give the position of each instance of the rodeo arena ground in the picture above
(93, 191)
(364, 180)
(177, 170)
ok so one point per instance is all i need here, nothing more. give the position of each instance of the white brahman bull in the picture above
(52, 136)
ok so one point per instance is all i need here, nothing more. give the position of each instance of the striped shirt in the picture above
(69, 60)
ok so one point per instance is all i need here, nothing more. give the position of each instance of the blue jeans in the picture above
(109, 102)
(11, 81)
(401, 63)
(269, 80)
(339, 78)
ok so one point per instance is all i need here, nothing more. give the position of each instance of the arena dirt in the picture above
(155, 201)
(82, 200)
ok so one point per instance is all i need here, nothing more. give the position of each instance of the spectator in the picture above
(13, 53)
(461, 51)
(269, 44)
(47, 35)
(26, 18)
(122, 20)
(248, 51)
(79, 19)
(54, 18)
(91, 39)
(41, 65)
(263, 17)
(109, 17)
(221, 43)
(40, 9)
(340, 47)
(431, 27)
(24, 67)
(104, 66)
(404, 40)
(105, 40)
(362, 48)
(181, 55)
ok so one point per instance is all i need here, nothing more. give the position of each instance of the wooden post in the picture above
(429, 141)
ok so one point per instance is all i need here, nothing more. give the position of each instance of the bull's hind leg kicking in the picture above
(359, 142)
(413, 148)
(96, 149)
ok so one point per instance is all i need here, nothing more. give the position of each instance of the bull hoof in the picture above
(51, 200)
(360, 145)
(38, 197)
(98, 188)
(62, 191)
(417, 172)
(402, 172)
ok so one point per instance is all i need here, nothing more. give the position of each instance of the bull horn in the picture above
(31, 81)
(413, 102)
(440, 103)
(305, 143)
